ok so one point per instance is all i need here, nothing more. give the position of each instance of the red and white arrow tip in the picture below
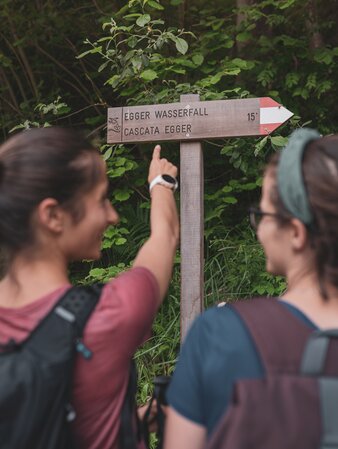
(272, 115)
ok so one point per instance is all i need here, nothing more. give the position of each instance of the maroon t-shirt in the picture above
(120, 323)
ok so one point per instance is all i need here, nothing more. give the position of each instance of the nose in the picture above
(112, 215)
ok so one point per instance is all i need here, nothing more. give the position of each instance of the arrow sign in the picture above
(195, 120)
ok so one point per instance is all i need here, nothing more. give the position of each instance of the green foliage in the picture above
(137, 50)
(235, 269)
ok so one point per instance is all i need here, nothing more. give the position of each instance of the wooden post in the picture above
(192, 228)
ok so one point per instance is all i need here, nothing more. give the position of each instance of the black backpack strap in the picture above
(66, 321)
(77, 304)
(129, 433)
(279, 336)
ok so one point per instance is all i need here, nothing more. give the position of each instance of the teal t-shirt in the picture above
(217, 352)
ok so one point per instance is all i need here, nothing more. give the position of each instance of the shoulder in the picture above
(134, 276)
(217, 352)
(218, 321)
(127, 306)
(135, 285)
(219, 340)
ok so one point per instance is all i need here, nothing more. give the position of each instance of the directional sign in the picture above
(191, 121)
(195, 120)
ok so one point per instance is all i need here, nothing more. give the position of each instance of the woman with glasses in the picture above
(297, 226)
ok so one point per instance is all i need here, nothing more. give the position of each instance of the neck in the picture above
(302, 280)
(303, 292)
(302, 277)
(309, 289)
(30, 276)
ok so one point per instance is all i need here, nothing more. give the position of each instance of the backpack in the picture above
(36, 376)
(295, 406)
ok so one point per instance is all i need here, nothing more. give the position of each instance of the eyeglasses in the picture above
(256, 215)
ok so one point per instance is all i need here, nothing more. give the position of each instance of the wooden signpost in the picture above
(191, 121)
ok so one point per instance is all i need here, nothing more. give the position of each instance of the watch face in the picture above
(169, 178)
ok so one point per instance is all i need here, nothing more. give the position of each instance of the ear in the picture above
(51, 215)
(299, 234)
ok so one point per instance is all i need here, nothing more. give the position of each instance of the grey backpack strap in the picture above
(313, 363)
(316, 351)
(328, 391)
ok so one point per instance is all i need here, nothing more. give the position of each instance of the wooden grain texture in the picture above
(192, 229)
(188, 120)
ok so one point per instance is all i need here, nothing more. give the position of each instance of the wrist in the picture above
(164, 180)
(161, 190)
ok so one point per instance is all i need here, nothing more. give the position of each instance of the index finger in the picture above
(157, 152)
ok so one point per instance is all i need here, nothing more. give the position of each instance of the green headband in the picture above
(290, 181)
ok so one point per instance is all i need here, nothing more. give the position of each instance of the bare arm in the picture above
(157, 254)
(181, 433)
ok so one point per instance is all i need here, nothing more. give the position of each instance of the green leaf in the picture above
(178, 70)
(97, 272)
(155, 5)
(249, 186)
(136, 62)
(103, 66)
(230, 200)
(121, 195)
(279, 141)
(214, 213)
(198, 59)
(113, 81)
(117, 172)
(286, 4)
(243, 37)
(216, 78)
(260, 145)
(132, 16)
(143, 20)
(110, 232)
(132, 41)
(148, 75)
(301, 92)
(241, 63)
(120, 241)
(227, 149)
(232, 71)
(181, 45)
(85, 53)
(107, 154)
(120, 161)
(291, 79)
(229, 43)
(185, 62)
(323, 56)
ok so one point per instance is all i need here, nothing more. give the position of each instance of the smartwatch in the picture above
(164, 180)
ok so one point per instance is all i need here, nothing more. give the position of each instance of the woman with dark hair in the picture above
(297, 226)
(54, 209)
